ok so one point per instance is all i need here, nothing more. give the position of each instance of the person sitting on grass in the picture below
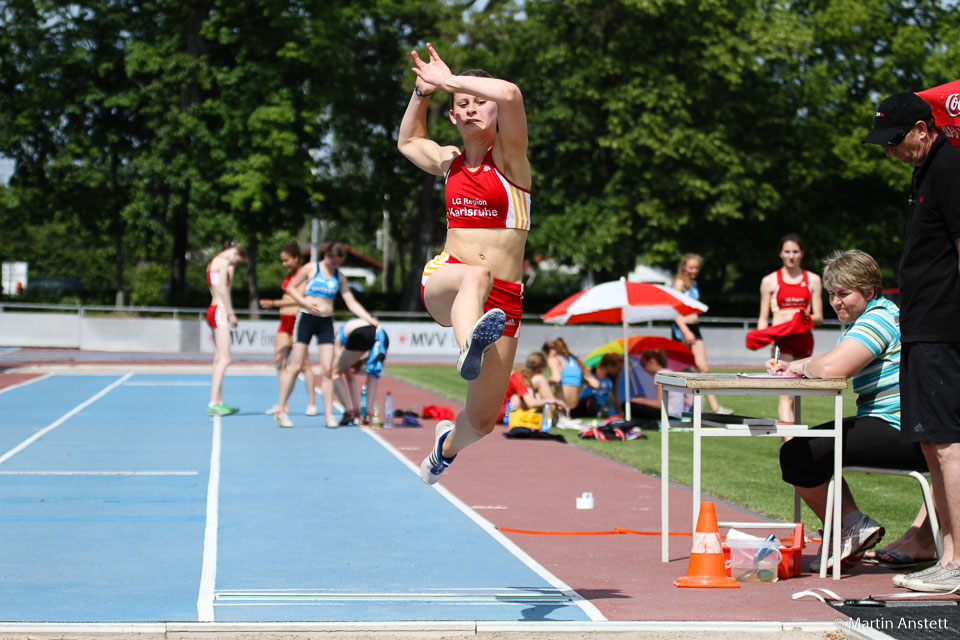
(869, 353)
(652, 361)
(594, 398)
(528, 388)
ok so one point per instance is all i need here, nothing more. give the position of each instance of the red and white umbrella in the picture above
(623, 302)
(944, 101)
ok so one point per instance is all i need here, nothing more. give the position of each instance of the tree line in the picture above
(144, 134)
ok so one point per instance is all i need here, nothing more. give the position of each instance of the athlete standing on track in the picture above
(283, 340)
(323, 282)
(475, 284)
(220, 318)
(686, 329)
(786, 293)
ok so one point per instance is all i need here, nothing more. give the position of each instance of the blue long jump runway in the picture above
(121, 501)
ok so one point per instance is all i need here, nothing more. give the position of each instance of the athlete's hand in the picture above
(314, 308)
(266, 303)
(232, 319)
(430, 75)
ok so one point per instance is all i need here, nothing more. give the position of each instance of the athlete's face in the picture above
(849, 303)
(333, 262)
(791, 254)
(692, 268)
(290, 263)
(472, 114)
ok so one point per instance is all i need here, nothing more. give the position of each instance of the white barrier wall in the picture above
(406, 338)
(39, 330)
(413, 340)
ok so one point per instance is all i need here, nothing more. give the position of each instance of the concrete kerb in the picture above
(616, 630)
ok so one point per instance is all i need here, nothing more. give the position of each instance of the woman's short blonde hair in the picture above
(853, 269)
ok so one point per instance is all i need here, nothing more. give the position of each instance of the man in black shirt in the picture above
(929, 314)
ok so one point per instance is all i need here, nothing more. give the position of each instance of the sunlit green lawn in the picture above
(745, 471)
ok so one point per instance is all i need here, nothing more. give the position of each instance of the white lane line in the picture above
(588, 607)
(25, 383)
(47, 429)
(208, 574)
(169, 384)
(98, 473)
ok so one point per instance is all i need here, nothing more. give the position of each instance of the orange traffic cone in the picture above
(706, 558)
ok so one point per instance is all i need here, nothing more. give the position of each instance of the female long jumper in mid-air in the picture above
(474, 285)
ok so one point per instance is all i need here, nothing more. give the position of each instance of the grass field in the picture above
(745, 471)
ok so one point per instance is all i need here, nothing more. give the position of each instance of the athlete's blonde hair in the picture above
(681, 270)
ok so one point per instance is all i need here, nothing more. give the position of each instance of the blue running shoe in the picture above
(435, 464)
(487, 330)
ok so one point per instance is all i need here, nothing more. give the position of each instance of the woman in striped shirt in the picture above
(869, 354)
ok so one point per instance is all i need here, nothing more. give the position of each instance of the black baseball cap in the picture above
(896, 112)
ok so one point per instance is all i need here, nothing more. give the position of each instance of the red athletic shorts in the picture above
(286, 324)
(216, 316)
(507, 296)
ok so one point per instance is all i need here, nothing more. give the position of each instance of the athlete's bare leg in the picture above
(699, 350)
(484, 398)
(325, 358)
(282, 344)
(221, 360)
(288, 375)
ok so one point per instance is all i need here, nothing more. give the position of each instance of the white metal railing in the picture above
(177, 312)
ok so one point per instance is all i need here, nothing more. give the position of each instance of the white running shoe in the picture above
(435, 464)
(282, 419)
(331, 423)
(272, 410)
(724, 411)
(947, 580)
(487, 330)
(903, 579)
(859, 533)
(311, 410)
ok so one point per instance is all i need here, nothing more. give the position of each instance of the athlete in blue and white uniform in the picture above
(324, 281)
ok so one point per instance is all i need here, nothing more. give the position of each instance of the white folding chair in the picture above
(924, 488)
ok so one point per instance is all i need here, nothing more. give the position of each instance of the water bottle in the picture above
(545, 420)
(363, 401)
(506, 413)
(375, 418)
(388, 411)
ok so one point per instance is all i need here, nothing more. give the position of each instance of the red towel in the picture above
(432, 411)
(800, 323)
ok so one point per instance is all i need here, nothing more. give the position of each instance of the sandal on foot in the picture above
(891, 559)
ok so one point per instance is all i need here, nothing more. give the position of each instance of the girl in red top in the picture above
(474, 285)
(283, 340)
(221, 318)
(783, 294)
(528, 388)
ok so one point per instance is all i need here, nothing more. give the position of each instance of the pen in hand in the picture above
(776, 354)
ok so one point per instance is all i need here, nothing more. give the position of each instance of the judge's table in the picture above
(701, 384)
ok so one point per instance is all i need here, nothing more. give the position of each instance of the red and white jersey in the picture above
(483, 198)
(213, 276)
(791, 296)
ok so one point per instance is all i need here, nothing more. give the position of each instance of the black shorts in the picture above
(678, 335)
(930, 391)
(361, 338)
(309, 325)
(867, 442)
